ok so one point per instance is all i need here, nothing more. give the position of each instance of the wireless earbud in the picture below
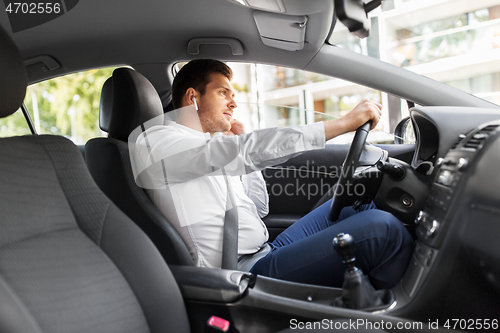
(195, 105)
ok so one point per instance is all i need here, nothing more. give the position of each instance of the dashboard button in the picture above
(432, 231)
(445, 178)
(462, 164)
(421, 217)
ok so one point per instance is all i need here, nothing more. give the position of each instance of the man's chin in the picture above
(227, 127)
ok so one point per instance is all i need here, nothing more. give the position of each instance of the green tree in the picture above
(14, 125)
(69, 105)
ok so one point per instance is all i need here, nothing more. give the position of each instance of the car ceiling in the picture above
(150, 35)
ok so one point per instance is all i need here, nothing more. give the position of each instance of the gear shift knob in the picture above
(357, 291)
(345, 247)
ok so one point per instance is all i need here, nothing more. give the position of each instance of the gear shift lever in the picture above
(357, 291)
(345, 247)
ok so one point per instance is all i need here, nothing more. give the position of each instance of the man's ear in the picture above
(190, 97)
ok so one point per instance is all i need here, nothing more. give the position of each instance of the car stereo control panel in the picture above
(451, 171)
(431, 222)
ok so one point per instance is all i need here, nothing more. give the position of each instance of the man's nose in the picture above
(232, 104)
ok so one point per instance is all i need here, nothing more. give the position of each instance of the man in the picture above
(201, 163)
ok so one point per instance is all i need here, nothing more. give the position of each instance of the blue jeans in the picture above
(304, 252)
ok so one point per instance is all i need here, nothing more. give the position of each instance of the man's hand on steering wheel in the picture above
(365, 115)
(365, 111)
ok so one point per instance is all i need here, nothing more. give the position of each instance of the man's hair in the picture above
(195, 74)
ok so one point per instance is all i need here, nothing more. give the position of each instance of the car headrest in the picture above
(128, 100)
(13, 78)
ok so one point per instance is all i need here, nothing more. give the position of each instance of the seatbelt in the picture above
(230, 234)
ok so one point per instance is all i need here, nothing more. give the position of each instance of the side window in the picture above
(13, 125)
(269, 96)
(68, 105)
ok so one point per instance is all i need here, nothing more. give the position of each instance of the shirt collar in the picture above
(186, 129)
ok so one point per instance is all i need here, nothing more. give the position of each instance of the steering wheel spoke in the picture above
(346, 177)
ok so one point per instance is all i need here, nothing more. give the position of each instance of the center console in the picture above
(432, 221)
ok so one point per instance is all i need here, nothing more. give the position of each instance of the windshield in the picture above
(452, 41)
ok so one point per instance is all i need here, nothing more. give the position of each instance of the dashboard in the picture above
(455, 269)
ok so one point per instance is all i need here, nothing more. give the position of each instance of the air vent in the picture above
(478, 138)
(460, 138)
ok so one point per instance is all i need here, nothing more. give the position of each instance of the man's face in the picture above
(215, 107)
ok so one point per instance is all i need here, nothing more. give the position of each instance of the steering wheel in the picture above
(346, 176)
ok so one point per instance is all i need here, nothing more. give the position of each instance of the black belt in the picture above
(230, 231)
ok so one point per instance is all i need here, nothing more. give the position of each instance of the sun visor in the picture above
(268, 5)
(285, 32)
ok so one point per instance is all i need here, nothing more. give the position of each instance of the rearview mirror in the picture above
(353, 14)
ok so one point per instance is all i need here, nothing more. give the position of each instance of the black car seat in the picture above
(70, 260)
(128, 100)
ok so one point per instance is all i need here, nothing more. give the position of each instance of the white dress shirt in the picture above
(181, 171)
